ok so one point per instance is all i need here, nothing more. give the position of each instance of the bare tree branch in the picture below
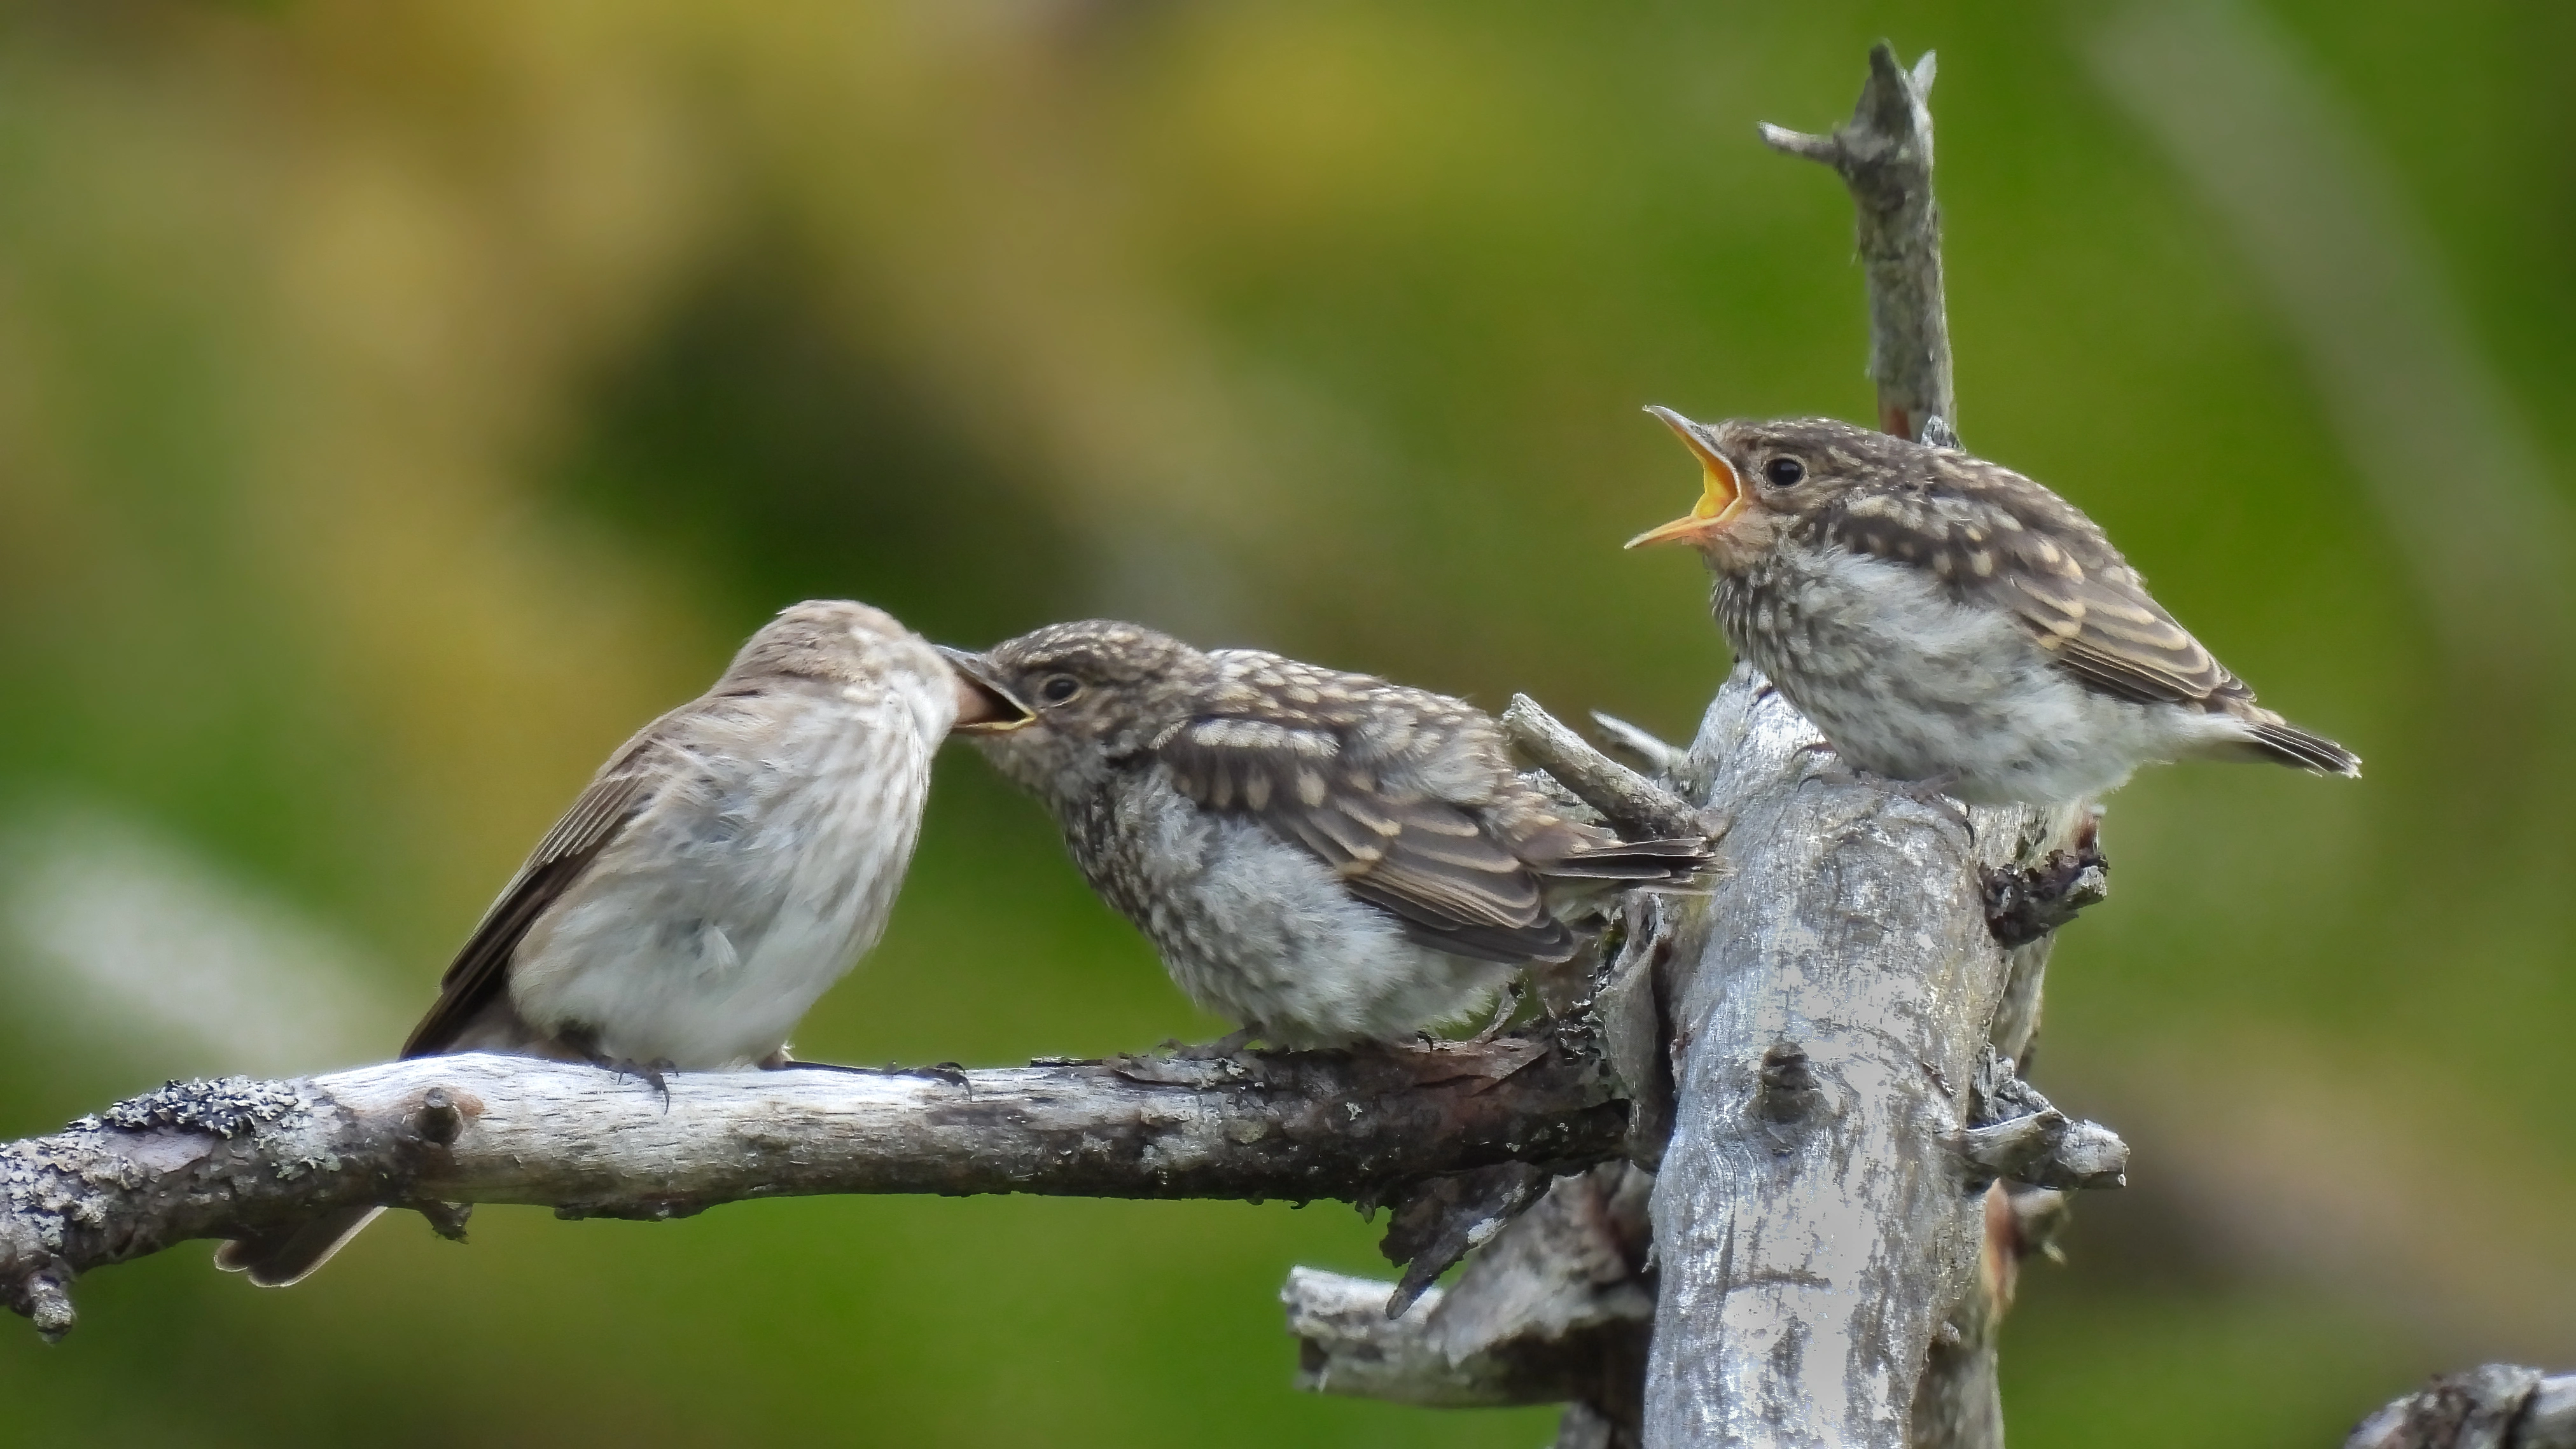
(1832, 1002)
(1658, 755)
(1884, 154)
(2015, 1133)
(212, 1159)
(1347, 1345)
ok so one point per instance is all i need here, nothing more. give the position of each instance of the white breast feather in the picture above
(705, 931)
(1910, 685)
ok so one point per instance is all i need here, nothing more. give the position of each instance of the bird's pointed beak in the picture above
(1721, 493)
(984, 705)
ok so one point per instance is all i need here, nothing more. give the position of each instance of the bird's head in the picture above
(865, 653)
(1095, 692)
(1757, 479)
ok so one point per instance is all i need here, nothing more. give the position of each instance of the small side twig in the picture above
(2015, 1133)
(1553, 1310)
(1651, 750)
(216, 1159)
(1441, 1220)
(2493, 1406)
(2025, 903)
(1634, 805)
(2046, 1149)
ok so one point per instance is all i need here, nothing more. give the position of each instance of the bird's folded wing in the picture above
(2107, 631)
(1999, 540)
(1395, 845)
(481, 969)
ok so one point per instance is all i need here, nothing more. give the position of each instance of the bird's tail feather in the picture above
(289, 1253)
(1669, 862)
(2289, 745)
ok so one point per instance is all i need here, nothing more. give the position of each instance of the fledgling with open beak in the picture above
(730, 862)
(1949, 622)
(1325, 858)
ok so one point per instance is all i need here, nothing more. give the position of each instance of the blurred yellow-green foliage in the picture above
(401, 401)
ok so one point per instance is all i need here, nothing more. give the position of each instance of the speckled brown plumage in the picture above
(1944, 618)
(1323, 856)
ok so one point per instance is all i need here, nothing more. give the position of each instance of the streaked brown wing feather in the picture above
(1996, 539)
(1430, 863)
(481, 968)
(2108, 632)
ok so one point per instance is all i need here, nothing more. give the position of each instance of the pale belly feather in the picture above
(1260, 931)
(706, 930)
(1909, 685)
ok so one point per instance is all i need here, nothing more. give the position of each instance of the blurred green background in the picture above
(401, 401)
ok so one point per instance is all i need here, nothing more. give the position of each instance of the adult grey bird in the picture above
(1325, 858)
(728, 863)
(1948, 622)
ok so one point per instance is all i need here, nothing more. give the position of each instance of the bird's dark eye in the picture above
(1784, 472)
(1057, 688)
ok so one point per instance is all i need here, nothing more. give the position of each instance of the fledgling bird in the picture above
(1946, 621)
(728, 863)
(1325, 858)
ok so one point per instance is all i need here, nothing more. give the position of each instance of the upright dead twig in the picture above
(1885, 156)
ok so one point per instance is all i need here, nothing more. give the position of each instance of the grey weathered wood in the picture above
(2493, 1406)
(1884, 155)
(1347, 1345)
(1553, 1310)
(1832, 999)
(1636, 806)
(211, 1159)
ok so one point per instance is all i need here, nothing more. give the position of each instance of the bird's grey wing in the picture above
(1393, 841)
(480, 972)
